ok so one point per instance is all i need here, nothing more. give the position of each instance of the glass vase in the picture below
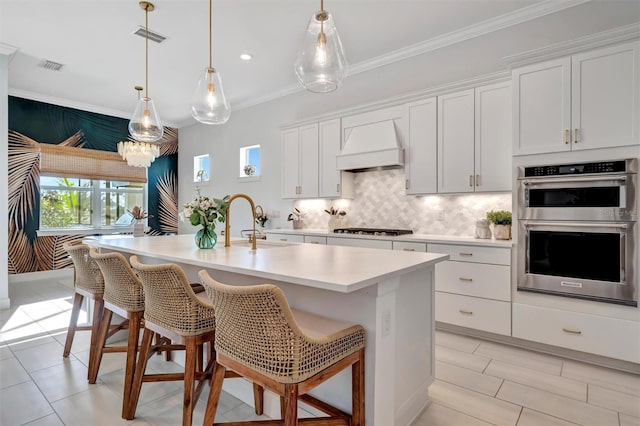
(206, 238)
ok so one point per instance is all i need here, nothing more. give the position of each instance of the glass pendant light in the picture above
(209, 105)
(145, 125)
(138, 154)
(321, 64)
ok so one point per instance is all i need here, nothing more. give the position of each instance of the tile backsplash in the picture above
(380, 202)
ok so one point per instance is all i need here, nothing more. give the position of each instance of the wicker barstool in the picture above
(173, 310)
(287, 351)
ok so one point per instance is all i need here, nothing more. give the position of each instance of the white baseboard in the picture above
(5, 303)
(56, 274)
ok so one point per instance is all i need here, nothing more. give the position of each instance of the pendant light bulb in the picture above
(321, 64)
(209, 105)
(145, 125)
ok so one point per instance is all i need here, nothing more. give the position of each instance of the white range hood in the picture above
(371, 146)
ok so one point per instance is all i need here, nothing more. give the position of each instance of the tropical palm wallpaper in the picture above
(32, 123)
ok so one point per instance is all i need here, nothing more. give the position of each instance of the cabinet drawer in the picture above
(359, 242)
(313, 239)
(292, 238)
(480, 314)
(611, 337)
(409, 246)
(474, 279)
(478, 254)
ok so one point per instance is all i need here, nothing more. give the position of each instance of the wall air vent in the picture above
(50, 65)
(153, 36)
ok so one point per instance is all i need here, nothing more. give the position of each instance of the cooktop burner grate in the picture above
(373, 231)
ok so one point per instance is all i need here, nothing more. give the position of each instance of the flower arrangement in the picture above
(206, 211)
(249, 169)
(261, 216)
(138, 213)
(295, 215)
(335, 212)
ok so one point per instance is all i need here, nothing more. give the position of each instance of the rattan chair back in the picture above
(122, 287)
(87, 273)
(256, 327)
(169, 300)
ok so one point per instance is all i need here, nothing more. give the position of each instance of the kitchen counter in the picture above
(390, 293)
(418, 238)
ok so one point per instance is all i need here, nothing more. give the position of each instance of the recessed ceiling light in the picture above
(246, 56)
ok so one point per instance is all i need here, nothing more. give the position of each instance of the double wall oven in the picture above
(577, 232)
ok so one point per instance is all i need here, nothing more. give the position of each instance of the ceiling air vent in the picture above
(50, 65)
(153, 36)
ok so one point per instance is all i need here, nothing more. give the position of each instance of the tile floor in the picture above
(477, 382)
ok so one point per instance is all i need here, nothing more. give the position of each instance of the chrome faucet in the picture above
(227, 225)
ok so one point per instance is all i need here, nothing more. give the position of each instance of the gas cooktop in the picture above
(373, 231)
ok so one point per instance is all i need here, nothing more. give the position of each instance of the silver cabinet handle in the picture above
(408, 249)
(570, 331)
(314, 242)
(567, 136)
(283, 239)
(575, 135)
(477, 180)
(471, 181)
(465, 279)
(463, 312)
(465, 254)
(338, 188)
(406, 184)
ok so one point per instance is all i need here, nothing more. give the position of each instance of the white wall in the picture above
(4, 172)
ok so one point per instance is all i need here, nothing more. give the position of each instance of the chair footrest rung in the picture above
(323, 406)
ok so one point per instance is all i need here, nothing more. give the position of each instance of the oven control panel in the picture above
(577, 169)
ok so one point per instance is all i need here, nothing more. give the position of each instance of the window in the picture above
(250, 161)
(201, 168)
(73, 203)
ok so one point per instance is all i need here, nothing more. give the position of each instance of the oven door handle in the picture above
(577, 179)
(579, 225)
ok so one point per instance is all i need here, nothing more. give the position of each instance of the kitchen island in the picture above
(390, 293)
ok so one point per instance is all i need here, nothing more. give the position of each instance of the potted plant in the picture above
(138, 215)
(296, 216)
(336, 218)
(501, 220)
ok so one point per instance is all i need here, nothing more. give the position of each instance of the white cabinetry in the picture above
(421, 169)
(300, 162)
(586, 101)
(291, 238)
(359, 242)
(473, 288)
(314, 239)
(474, 146)
(333, 182)
(409, 246)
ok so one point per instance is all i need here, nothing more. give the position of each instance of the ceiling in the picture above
(103, 61)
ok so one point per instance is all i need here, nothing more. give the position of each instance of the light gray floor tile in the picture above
(618, 401)
(556, 405)
(626, 420)
(456, 341)
(55, 322)
(81, 340)
(533, 360)
(5, 352)
(50, 420)
(62, 380)
(41, 356)
(12, 373)
(439, 415)
(31, 342)
(41, 310)
(467, 378)
(21, 404)
(461, 359)
(96, 406)
(21, 327)
(243, 412)
(604, 377)
(535, 418)
(474, 404)
(168, 411)
(150, 391)
(110, 362)
(539, 380)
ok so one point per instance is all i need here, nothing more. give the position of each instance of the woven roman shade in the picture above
(84, 163)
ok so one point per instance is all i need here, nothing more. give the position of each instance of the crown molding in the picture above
(73, 104)
(593, 41)
(8, 50)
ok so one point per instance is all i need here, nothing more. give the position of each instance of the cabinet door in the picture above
(493, 138)
(606, 97)
(290, 160)
(542, 107)
(421, 144)
(309, 161)
(455, 142)
(331, 179)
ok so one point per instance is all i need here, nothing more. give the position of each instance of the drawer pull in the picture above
(465, 279)
(462, 253)
(408, 249)
(314, 242)
(462, 311)
(568, 330)
(283, 239)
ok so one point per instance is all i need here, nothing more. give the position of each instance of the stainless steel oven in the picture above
(577, 232)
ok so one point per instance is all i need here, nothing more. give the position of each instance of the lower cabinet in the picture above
(314, 239)
(595, 334)
(359, 242)
(473, 312)
(292, 238)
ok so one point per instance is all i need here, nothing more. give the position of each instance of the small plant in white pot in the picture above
(337, 218)
(501, 220)
(296, 218)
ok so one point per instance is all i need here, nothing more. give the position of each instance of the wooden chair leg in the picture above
(291, 404)
(282, 407)
(357, 391)
(73, 323)
(189, 380)
(258, 398)
(95, 359)
(214, 394)
(135, 319)
(143, 356)
(98, 311)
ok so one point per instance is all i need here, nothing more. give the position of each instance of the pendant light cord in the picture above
(210, 33)
(146, 26)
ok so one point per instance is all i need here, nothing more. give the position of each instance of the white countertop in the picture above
(335, 268)
(422, 238)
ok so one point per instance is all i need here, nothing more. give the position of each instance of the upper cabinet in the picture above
(333, 182)
(586, 101)
(474, 140)
(421, 147)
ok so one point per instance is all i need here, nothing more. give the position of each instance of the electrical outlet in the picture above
(386, 322)
(440, 214)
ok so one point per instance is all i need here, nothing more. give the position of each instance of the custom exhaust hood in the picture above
(373, 145)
